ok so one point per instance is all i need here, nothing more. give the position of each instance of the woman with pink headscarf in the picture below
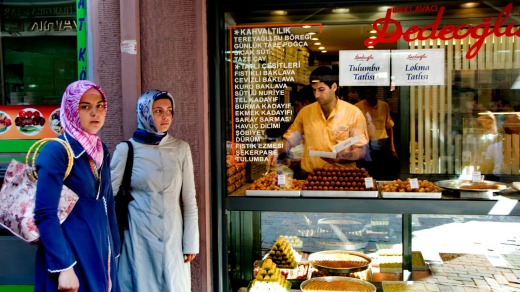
(80, 254)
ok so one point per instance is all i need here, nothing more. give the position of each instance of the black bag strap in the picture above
(127, 176)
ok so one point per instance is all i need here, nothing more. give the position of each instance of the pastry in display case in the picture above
(295, 276)
(269, 278)
(404, 286)
(235, 174)
(410, 189)
(288, 261)
(339, 182)
(341, 263)
(272, 185)
(336, 284)
(282, 254)
(391, 261)
(468, 189)
(293, 240)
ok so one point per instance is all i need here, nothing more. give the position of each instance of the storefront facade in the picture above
(448, 72)
(235, 69)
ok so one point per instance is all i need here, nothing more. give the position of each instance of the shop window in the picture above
(271, 54)
(38, 59)
(38, 51)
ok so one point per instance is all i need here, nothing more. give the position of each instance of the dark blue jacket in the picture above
(88, 239)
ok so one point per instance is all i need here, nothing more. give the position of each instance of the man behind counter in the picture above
(380, 130)
(325, 123)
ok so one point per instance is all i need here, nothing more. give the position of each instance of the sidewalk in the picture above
(463, 253)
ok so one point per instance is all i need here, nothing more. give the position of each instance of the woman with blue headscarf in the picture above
(163, 234)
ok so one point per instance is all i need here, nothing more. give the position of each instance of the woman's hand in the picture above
(68, 281)
(189, 257)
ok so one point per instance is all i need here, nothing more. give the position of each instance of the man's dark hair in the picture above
(324, 74)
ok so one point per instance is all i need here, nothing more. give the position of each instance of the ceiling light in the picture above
(469, 5)
(372, 31)
(370, 47)
(321, 48)
(279, 12)
(306, 26)
(311, 33)
(372, 37)
(384, 8)
(340, 10)
(315, 39)
(323, 51)
(317, 44)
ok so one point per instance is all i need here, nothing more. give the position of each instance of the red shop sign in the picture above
(478, 32)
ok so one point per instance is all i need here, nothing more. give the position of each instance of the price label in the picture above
(476, 176)
(281, 179)
(414, 183)
(369, 182)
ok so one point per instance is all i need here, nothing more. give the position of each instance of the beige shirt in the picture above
(378, 118)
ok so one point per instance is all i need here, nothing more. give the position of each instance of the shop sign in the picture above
(29, 122)
(81, 16)
(36, 11)
(51, 25)
(364, 68)
(418, 67)
(489, 26)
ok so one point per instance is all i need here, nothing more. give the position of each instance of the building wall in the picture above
(171, 55)
(106, 71)
(173, 58)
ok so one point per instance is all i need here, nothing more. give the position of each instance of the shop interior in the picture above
(457, 111)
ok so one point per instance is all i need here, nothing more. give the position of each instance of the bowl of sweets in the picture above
(336, 284)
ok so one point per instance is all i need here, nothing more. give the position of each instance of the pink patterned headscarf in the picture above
(69, 118)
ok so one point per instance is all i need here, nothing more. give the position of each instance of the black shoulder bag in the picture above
(124, 197)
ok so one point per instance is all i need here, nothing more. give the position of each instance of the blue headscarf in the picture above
(146, 132)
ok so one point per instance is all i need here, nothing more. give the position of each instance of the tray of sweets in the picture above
(297, 275)
(337, 284)
(339, 261)
(469, 186)
(340, 194)
(402, 189)
(403, 286)
(365, 275)
(392, 262)
(266, 193)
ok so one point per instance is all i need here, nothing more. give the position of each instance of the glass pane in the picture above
(253, 235)
(429, 126)
(38, 44)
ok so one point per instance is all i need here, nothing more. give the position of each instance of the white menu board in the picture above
(418, 67)
(364, 68)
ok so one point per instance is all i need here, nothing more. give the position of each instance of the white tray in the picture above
(340, 194)
(258, 193)
(411, 195)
